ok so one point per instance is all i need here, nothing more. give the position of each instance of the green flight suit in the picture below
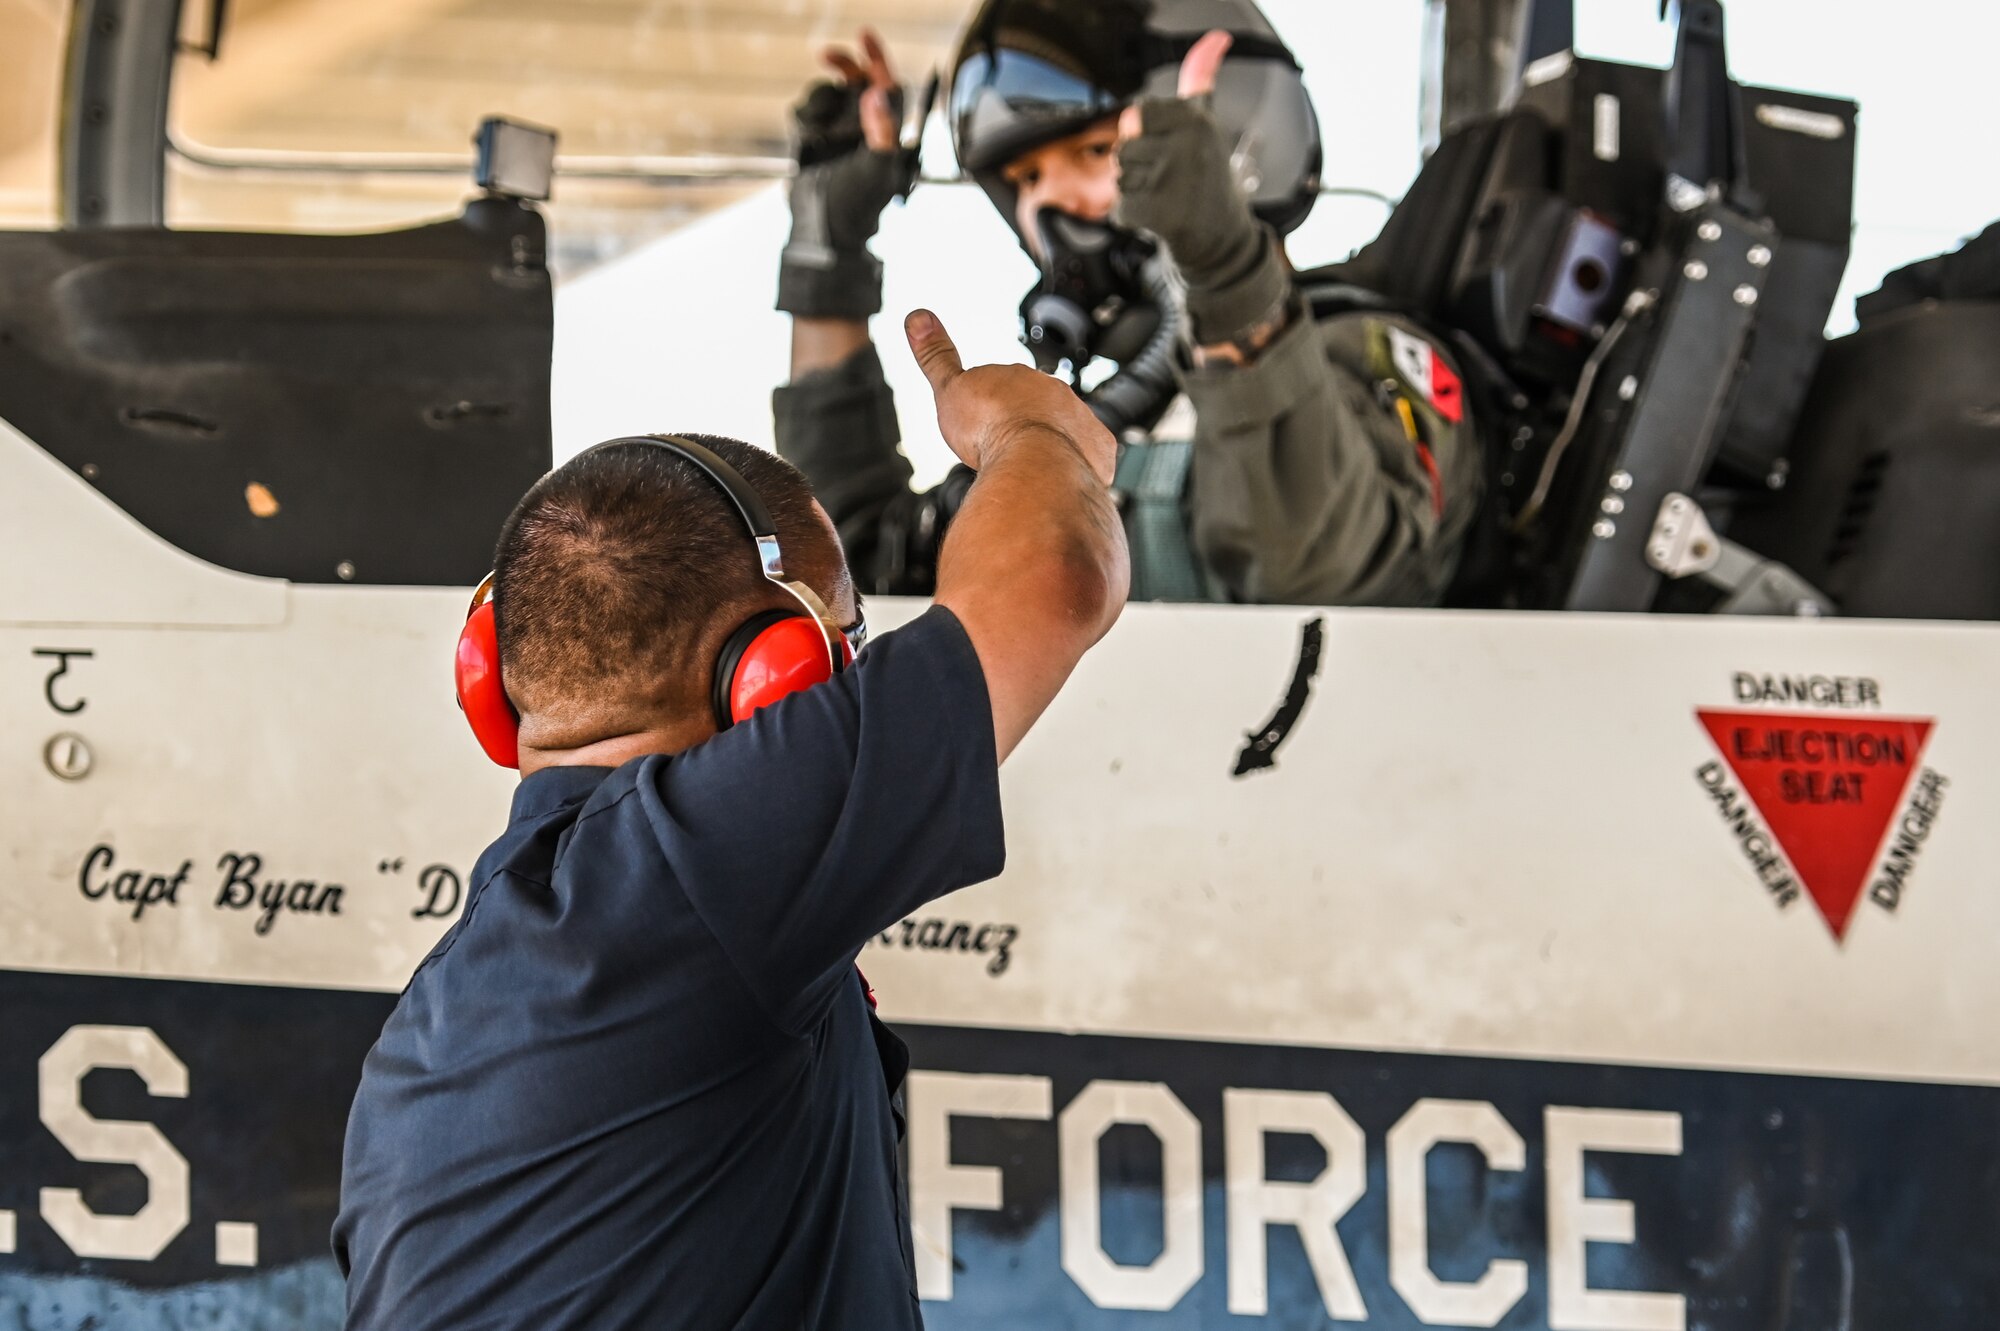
(1302, 485)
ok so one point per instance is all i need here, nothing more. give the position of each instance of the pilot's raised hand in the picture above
(1176, 182)
(850, 165)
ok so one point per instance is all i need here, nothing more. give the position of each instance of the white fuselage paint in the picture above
(1484, 837)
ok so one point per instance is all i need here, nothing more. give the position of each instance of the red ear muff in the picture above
(480, 696)
(774, 654)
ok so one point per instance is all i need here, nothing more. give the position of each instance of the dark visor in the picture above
(1031, 71)
(1004, 103)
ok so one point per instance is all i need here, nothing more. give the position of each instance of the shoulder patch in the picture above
(1420, 367)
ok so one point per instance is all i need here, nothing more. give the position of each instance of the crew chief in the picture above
(639, 1084)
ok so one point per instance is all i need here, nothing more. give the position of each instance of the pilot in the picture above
(1150, 169)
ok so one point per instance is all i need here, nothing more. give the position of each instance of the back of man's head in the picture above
(621, 573)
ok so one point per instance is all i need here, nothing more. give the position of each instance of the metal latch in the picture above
(1683, 544)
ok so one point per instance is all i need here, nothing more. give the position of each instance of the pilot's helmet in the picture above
(1029, 72)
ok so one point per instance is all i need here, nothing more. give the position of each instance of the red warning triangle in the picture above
(1826, 786)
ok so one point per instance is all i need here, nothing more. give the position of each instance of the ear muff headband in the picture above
(774, 653)
(804, 659)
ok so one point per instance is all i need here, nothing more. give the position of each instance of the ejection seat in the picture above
(1636, 266)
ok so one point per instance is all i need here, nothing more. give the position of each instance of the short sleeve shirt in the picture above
(638, 1084)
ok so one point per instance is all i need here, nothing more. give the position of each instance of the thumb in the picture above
(1204, 58)
(932, 346)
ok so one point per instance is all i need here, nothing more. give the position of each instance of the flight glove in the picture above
(842, 186)
(1176, 182)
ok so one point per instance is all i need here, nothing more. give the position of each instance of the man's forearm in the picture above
(1237, 315)
(822, 344)
(1036, 515)
(837, 424)
(1038, 547)
(1245, 347)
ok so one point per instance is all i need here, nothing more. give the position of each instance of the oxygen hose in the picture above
(912, 526)
(1139, 392)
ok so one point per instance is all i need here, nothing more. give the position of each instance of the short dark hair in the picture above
(615, 570)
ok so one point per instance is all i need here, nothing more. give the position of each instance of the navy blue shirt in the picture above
(638, 1083)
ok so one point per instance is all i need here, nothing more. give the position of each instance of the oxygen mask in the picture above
(1097, 295)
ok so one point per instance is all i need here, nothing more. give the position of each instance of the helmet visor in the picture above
(1031, 71)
